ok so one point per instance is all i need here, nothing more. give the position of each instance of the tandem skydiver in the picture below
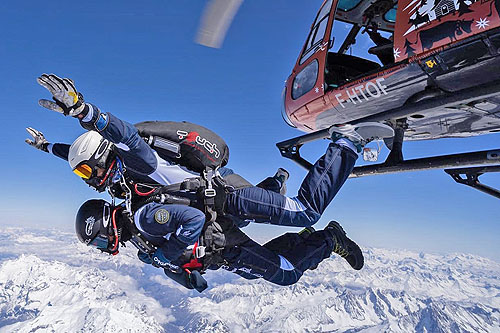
(112, 153)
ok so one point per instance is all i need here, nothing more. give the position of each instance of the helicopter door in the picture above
(423, 26)
(305, 84)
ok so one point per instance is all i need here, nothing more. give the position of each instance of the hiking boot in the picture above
(344, 246)
(362, 133)
(282, 176)
(306, 232)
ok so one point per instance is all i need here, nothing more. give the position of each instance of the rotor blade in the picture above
(216, 19)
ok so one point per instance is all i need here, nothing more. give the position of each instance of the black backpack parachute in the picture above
(190, 145)
(196, 148)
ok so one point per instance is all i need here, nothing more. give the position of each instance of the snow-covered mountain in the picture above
(50, 282)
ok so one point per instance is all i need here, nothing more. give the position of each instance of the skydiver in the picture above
(282, 260)
(113, 152)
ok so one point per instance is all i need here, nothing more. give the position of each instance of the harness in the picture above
(207, 192)
(200, 150)
(207, 249)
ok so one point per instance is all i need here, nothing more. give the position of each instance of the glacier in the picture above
(49, 282)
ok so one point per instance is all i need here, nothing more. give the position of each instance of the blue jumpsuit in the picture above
(181, 226)
(282, 260)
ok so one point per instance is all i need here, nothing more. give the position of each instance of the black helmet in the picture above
(95, 226)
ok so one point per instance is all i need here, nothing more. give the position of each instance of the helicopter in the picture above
(433, 72)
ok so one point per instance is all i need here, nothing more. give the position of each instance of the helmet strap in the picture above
(108, 173)
(114, 249)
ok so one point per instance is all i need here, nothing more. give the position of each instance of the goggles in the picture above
(84, 171)
(100, 242)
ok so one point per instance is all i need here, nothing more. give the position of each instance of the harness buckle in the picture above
(210, 192)
(199, 252)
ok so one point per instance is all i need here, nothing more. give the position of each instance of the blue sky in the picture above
(137, 60)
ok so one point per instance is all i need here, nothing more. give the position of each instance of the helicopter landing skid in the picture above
(472, 178)
(395, 163)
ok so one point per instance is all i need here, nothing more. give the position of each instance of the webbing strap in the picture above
(137, 239)
(193, 263)
(210, 188)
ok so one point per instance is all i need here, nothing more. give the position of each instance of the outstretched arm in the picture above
(39, 142)
(68, 101)
(136, 154)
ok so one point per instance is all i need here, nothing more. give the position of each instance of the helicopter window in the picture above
(347, 5)
(315, 39)
(325, 10)
(390, 15)
(305, 80)
(283, 109)
(317, 32)
(342, 68)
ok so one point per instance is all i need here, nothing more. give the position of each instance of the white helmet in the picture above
(91, 150)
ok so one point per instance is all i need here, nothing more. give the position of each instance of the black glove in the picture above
(39, 141)
(190, 280)
(197, 281)
(67, 100)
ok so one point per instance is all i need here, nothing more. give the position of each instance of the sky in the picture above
(137, 60)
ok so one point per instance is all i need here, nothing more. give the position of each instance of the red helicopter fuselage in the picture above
(437, 74)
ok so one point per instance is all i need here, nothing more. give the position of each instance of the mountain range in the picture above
(50, 282)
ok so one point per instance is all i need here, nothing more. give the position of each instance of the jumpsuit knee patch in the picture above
(285, 264)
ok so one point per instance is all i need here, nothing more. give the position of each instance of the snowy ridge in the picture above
(69, 287)
(397, 291)
(54, 296)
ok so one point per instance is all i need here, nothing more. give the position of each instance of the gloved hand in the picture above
(144, 257)
(197, 281)
(67, 100)
(39, 141)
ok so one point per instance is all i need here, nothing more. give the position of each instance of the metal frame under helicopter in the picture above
(395, 162)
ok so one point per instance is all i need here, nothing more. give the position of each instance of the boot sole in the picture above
(367, 132)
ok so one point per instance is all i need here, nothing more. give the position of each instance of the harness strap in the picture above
(193, 263)
(213, 241)
(208, 194)
(189, 185)
(137, 239)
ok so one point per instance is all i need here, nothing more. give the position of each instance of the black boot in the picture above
(276, 183)
(344, 246)
(281, 176)
(306, 232)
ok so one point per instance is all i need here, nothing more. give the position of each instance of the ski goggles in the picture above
(100, 242)
(84, 171)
